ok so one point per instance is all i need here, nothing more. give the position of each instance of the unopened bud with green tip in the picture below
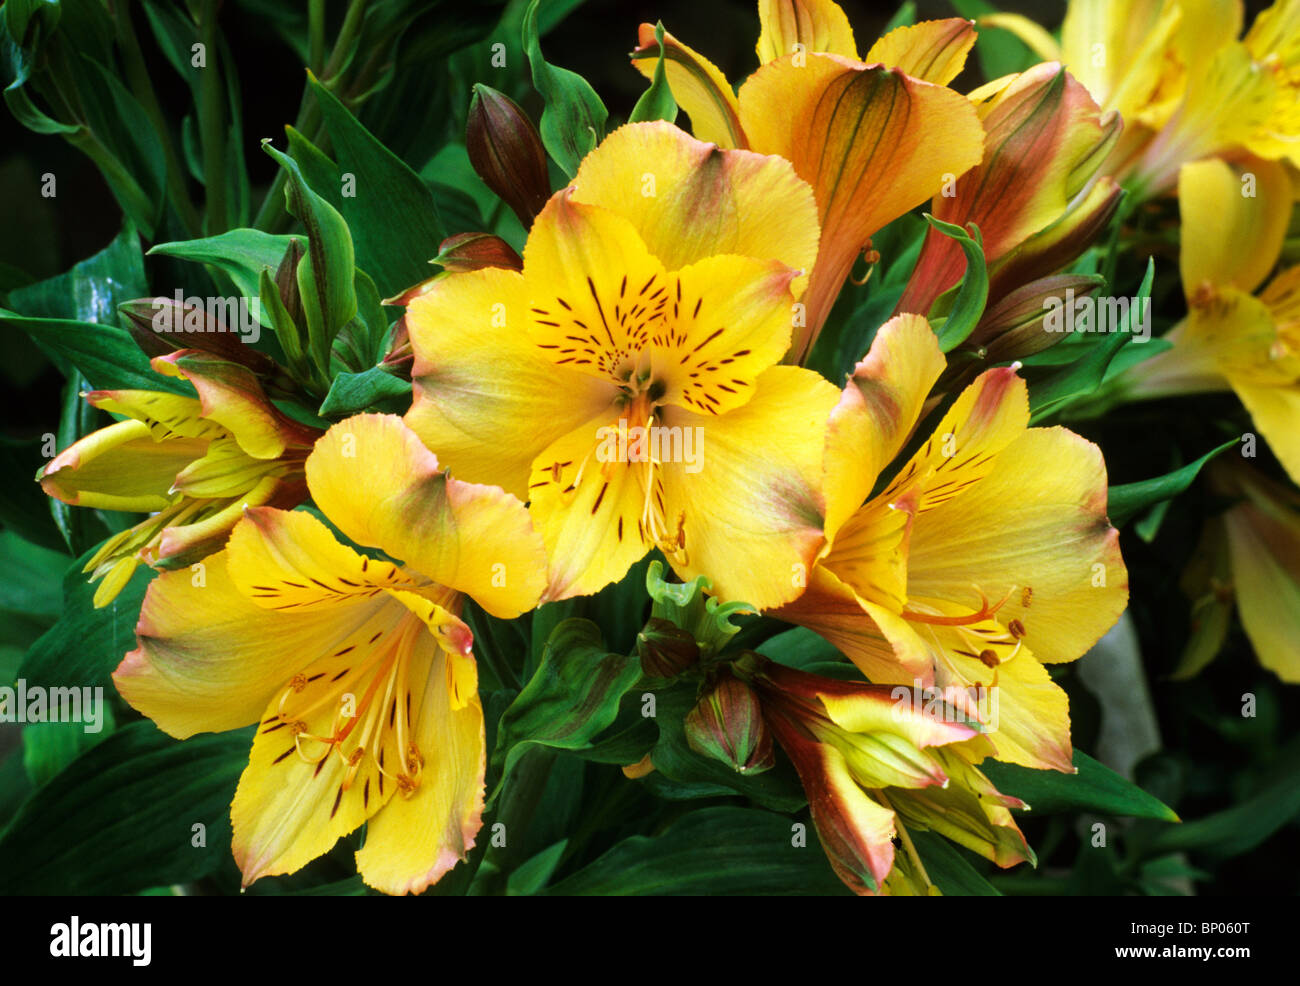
(506, 152)
(665, 649)
(727, 725)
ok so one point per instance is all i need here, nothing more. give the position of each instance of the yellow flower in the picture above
(1249, 555)
(624, 382)
(986, 557)
(874, 759)
(358, 670)
(1032, 196)
(1233, 338)
(1185, 84)
(874, 137)
(192, 464)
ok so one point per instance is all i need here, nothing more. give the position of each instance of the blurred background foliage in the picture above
(101, 97)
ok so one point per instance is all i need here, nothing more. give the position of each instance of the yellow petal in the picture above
(121, 467)
(289, 561)
(697, 337)
(1275, 410)
(230, 395)
(689, 199)
(793, 26)
(414, 841)
(1229, 237)
(589, 504)
(486, 400)
(873, 144)
(210, 659)
(372, 477)
(986, 417)
(752, 522)
(870, 554)
(699, 88)
(880, 406)
(1039, 534)
(934, 51)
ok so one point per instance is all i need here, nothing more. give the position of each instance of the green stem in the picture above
(212, 130)
(316, 34)
(347, 33)
(137, 75)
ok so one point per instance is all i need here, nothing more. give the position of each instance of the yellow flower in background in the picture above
(192, 464)
(1248, 556)
(1234, 222)
(1033, 195)
(358, 670)
(874, 760)
(1185, 80)
(985, 558)
(624, 383)
(874, 137)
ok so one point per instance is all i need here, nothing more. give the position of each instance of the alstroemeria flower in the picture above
(1032, 196)
(1231, 337)
(192, 464)
(1185, 85)
(357, 669)
(874, 137)
(1250, 556)
(625, 382)
(986, 557)
(874, 758)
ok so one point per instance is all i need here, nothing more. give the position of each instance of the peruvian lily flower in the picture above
(875, 759)
(1033, 195)
(624, 383)
(1185, 85)
(1250, 556)
(986, 557)
(1232, 337)
(192, 464)
(874, 136)
(357, 669)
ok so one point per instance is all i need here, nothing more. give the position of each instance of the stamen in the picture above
(985, 612)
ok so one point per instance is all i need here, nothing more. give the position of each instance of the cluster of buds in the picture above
(192, 463)
(1038, 202)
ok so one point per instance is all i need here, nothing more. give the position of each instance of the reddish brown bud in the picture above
(506, 152)
(665, 649)
(727, 725)
(465, 252)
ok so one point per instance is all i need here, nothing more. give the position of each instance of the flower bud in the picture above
(727, 724)
(465, 252)
(666, 650)
(506, 152)
(161, 326)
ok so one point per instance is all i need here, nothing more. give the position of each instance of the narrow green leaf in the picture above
(241, 253)
(1094, 788)
(374, 390)
(657, 102)
(573, 120)
(968, 303)
(1129, 499)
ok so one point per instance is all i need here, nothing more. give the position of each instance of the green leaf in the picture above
(1129, 499)
(1094, 788)
(86, 644)
(532, 875)
(1084, 377)
(572, 698)
(393, 215)
(121, 817)
(374, 390)
(968, 303)
(949, 868)
(326, 271)
(93, 288)
(106, 355)
(1244, 826)
(713, 851)
(573, 120)
(48, 747)
(657, 102)
(241, 253)
(686, 605)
